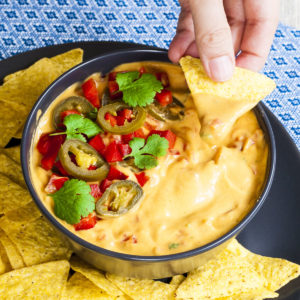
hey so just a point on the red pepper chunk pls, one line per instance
(164, 97)
(142, 178)
(163, 78)
(86, 223)
(44, 143)
(124, 149)
(60, 168)
(55, 183)
(113, 89)
(95, 191)
(97, 143)
(112, 153)
(114, 174)
(112, 76)
(125, 113)
(90, 92)
(167, 134)
(120, 120)
(67, 113)
(112, 119)
(105, 184)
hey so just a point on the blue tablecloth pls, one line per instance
(28, 24)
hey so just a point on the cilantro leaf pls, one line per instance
(145, 155)
(78, 125)
(138, 91)
(73, 201)
(173, 246)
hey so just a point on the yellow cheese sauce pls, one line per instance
(196, 194)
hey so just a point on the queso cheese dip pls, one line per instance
(197, 192)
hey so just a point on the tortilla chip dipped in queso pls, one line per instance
(142, 161)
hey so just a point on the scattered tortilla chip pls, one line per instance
(276, 271)
(14, 153)
(212, 99)
(38, 242)
(143, 289)
(95, 276)
(177, 280)
(12, 170)
(14, 257)
(9, 123)
(79, 287)
(4, 259)
(255, 295)
(224, 276)
(44, 281)
(12, 195)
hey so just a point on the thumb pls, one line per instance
(213, 38)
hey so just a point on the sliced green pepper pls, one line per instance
(118, 199)
(78, 103)
(89, 154)
(128, 127)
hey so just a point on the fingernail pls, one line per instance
(221, 68)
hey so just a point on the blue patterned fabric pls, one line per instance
(28, 24)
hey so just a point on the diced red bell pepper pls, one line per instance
(114, 174)
(139, 133)
(67, 113)
(112, 76)
(142, 178)
(113, 89)
(163, 78)
(90, 92)
(124, 149)
(44, 143)
(167, 134)
(142, 70)
(112, 119)
(49, 157)
(92, 167)
(60, 168)
(87, 222)
(112, 153)
(97, 143)
(126, 138)
(95, 191)
(120, 120)
(126, 113)
(55, 183)
(105, 184)
(164, 97)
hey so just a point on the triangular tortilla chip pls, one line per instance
(44, 281)
(95, 276)
(13, 153)
(220, 104)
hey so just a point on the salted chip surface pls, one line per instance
(227, 275)
(259, 294)
(13, 255)
(244, 85)
(11, 169)
(13, 153)
(79, 287)
(45, 281)
(95, 276)
(9, 123)
(12, 195)
(38, 242)
(143, 289)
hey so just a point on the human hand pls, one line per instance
(216, 31)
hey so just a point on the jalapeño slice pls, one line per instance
(78, 103)
(118, 199)
(89, 154)
(128, 127)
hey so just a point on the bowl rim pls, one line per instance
(259, 109)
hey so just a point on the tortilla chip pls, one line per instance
(12, 195)
(12, 116)
(44, 281)
(177, 280)
(14, 153)
(14, 257)
(255, 295)
(19, 133)
(224, 276)
(38, 242)
(79, 287)
(143, 289)
(212, 99)
(95, 276)
(276, 271)
(11, 169)
(4, 259)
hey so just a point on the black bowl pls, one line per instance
(120, 263)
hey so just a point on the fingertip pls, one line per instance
(250, 61)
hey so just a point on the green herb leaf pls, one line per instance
(173, 246)
(138, 91)
(78, 125)
(73, 201)
(145, 155)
